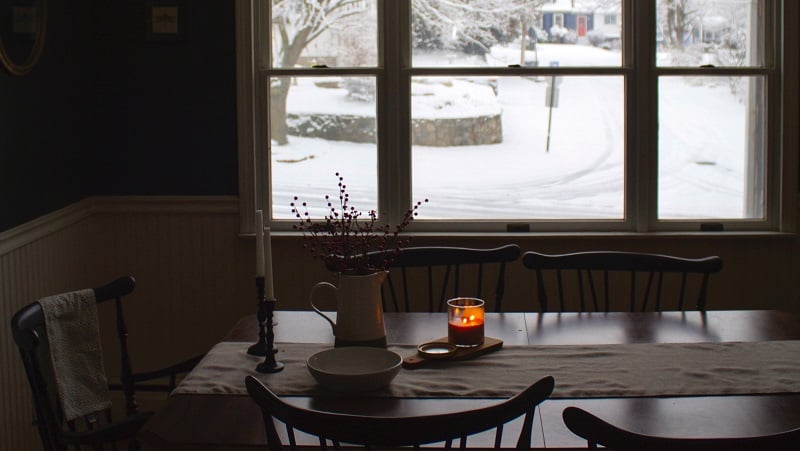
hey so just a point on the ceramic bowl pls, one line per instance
(354, 369)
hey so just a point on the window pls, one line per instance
(505, 126)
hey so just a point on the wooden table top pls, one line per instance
(199, 422)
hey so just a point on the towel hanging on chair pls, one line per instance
(73, 334)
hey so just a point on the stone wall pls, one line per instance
(445, 132)
(333, 127)
(470, 131)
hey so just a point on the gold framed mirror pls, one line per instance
(23, 27)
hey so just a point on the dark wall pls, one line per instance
(109, 112)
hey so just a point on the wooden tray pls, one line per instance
(489, 345)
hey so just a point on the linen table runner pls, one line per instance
(580, 371)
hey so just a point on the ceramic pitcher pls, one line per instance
(359, 312)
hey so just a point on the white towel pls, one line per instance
(74, 337)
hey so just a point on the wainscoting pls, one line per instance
(194, 275)
(160, 241)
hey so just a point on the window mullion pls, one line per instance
(641, 118)
(789, 28)
(394, 111)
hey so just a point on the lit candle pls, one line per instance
(465, 318)
(268, 286)
(259, 243)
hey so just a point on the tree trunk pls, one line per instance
(279, 92)
(672, 33)
(676, 22)
(680, 22)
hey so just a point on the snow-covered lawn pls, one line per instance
(580, 175)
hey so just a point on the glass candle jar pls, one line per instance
(465, 321)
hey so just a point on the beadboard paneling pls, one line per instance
(161, 242)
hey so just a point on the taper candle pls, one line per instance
(268, 284)
(259, 243)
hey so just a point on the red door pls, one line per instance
(582, 24)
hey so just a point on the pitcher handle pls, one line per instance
(311, 301)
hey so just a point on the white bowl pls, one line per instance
(354, 368)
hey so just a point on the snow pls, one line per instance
(702, 165)
(433, 99)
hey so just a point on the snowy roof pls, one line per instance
(565, 6)
(559, 6)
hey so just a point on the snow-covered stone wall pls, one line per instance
(438, 132)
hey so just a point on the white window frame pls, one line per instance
(394, 155)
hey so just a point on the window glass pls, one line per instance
(511, 147)
(722, 33)
(490, 144)
(328, 127)
(503, 32)
(710, 159)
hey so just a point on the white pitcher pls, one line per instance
(359, 311)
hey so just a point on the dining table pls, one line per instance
(692, 373)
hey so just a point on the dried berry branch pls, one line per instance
(349, 241)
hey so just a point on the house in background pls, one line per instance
(576, 21)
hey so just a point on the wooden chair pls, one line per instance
(387, 431)
(438, 273)
(643, 278)
(95, 430)
(598, 432)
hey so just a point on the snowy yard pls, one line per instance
(702, 141)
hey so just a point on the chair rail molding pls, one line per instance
(50, 223)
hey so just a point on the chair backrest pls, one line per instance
(598, 432)
(425, 277)
(28, 329)
(392, 431)
(613, 280)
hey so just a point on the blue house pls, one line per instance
(571, 20)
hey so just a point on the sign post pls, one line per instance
(551, 100)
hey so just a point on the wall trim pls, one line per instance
(52, 222)
(44, 225)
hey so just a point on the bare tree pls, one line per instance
(472, 24)
(295, 25)
(678, 18)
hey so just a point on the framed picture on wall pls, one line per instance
(164, 20)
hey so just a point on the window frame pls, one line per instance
(394, 70)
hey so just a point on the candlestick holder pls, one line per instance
(270, 364)
(260, 347)
(265, 346)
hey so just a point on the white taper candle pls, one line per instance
(268, 285)
(259, 243)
